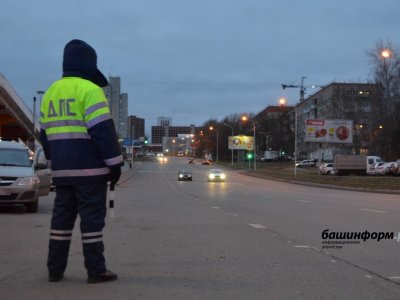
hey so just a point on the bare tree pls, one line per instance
(385, 63)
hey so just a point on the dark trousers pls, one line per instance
(90, 202)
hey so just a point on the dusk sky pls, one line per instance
(193, 60)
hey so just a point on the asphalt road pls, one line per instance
(247, 238)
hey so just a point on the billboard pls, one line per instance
(329, 131)
(241, 142)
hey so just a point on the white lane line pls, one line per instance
(257, 226)
(232, 214)
(304, 201)
(370, 277)
(373, 210)
(394, 277)
(301, 246)
(216, 207)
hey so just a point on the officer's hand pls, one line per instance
(115, 174)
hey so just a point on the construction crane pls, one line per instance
(301, 86)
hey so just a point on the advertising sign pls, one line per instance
(241, 142)
(329, 131)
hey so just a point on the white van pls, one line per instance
(22, 180)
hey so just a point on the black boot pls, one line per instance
(102, 277)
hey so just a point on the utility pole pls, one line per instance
(302, 92)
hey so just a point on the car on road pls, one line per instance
(162, 159)
(216, 175)
(205, 162)
(23, 179)
(185, 175)
(191, 161)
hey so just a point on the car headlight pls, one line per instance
(211, 176)
(222, 176)
(180, 175)
(32, 180)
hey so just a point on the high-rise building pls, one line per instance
(118, 105)
(135, 127)
(158, 132)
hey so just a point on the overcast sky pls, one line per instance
(193, 60)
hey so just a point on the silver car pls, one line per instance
(23, 179)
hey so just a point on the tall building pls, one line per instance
(158, 132)
(136, 127)
(118, 105)
(164, 121)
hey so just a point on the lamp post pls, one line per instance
(212, 128)
(33, 122)
(173, 148)
(232, 137)
(245, 119)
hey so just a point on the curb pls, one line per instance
(321, 185)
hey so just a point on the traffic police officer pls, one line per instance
(80, 143)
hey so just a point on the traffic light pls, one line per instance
(145, 140)
(250, 156)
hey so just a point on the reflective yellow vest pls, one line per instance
(77, 132)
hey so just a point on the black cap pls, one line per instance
(80, 60)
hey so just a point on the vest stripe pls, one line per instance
(95, 107)
(67, 135)
(114, 160)
(98, 120)
(82, 172)
(62, 123)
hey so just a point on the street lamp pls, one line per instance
(212, 128)
(245, 119)
(173, 148)
(282, 101)
(232, 137)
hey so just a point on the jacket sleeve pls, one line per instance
(101, 128)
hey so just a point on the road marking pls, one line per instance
(372, 210)
(394, 277)
(216, 207)
(332, 260)
(232, 214)
(370, 277)
(257, 226)
(304, 201)
(301, 246)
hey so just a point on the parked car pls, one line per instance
(306, 163)
(205, 162)
(23, 179)
(392, 168)
(380, 168)
(327, 169)
(216, 175)
(185, 175)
